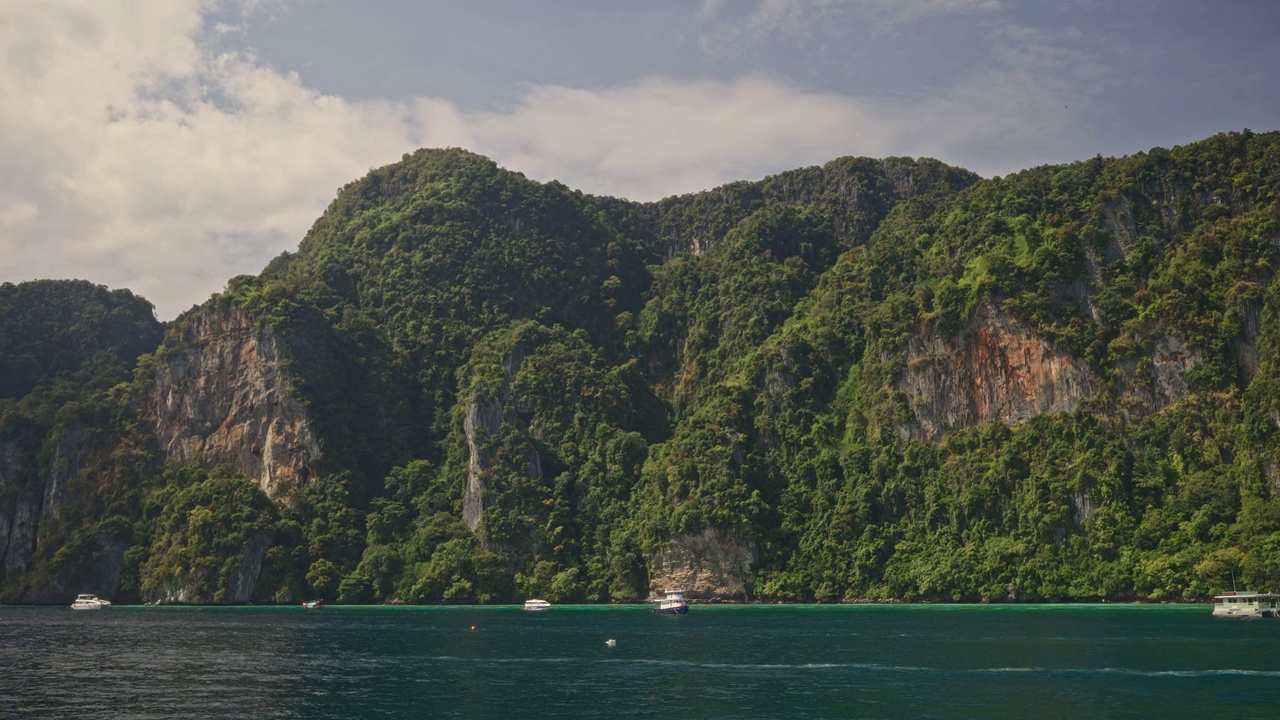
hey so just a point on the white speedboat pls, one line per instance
(672, 604)
(1247, 605)
(535, 604)
(89, 602)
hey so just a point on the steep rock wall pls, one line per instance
(222, 395)
(483, 418)
(27, 501)
(70, 455)
(998, 369)
(707, 565)
(19, 513)
(100, 573)
(198, 588)
(1156, 380)
(482, 421)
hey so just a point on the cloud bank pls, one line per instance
(141, 155)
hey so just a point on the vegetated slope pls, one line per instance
(873, 379)
(70, 465)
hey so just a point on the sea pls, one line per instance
(719, 661)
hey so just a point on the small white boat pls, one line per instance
(1247, 605)
(313, 604)
(89, 602)
(536, 604)
(672, 604)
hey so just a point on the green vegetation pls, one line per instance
(608, 376)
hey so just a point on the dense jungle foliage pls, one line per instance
(627, 374)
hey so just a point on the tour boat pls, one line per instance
(536, 604)
(89, 602)
(1247, 605)
(313, 604)
(672, 604)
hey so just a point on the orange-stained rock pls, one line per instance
(222, 394)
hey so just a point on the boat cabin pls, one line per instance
(1247, 605)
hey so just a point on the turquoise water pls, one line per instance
(718, 662)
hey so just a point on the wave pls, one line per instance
(872, 667)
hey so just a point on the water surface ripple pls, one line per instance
(718, 662)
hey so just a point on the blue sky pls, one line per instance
(167, 146)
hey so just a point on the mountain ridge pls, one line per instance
(874, 379)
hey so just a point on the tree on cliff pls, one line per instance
(870, 379)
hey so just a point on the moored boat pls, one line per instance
(1246, 605)
(536, 604)
(313, 604)
(85, 601)
(672, 603)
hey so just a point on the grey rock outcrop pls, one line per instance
(711, 564)
(1156, 380)
(19, 513)
(223, 394)
(199, 587)
(30, 499)
(483, 419)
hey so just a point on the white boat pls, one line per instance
(536, 604)
(89, 602)
(672, 603)
(1247, 605)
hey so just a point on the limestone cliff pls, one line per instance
(203, 587)
(485, 413)
(222, 394)
(998, 369)
(482, 420)
(19, 513)
(707, 565)
(32, 499)
(99, 571)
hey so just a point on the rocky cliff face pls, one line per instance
(998, 369)
(483, 418)
(222, 394)
(99, 573)
(30, 498)
(707, 565)
(199, 587)
(481, 421)
(19, 513)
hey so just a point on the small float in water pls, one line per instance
(1246, 605)
(672, 604)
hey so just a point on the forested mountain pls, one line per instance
(875, 379)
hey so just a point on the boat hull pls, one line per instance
(89, 602)
(678, 610)
(1243, 613)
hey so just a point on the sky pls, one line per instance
(166, 146)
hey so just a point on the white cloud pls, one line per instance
(139, 157)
